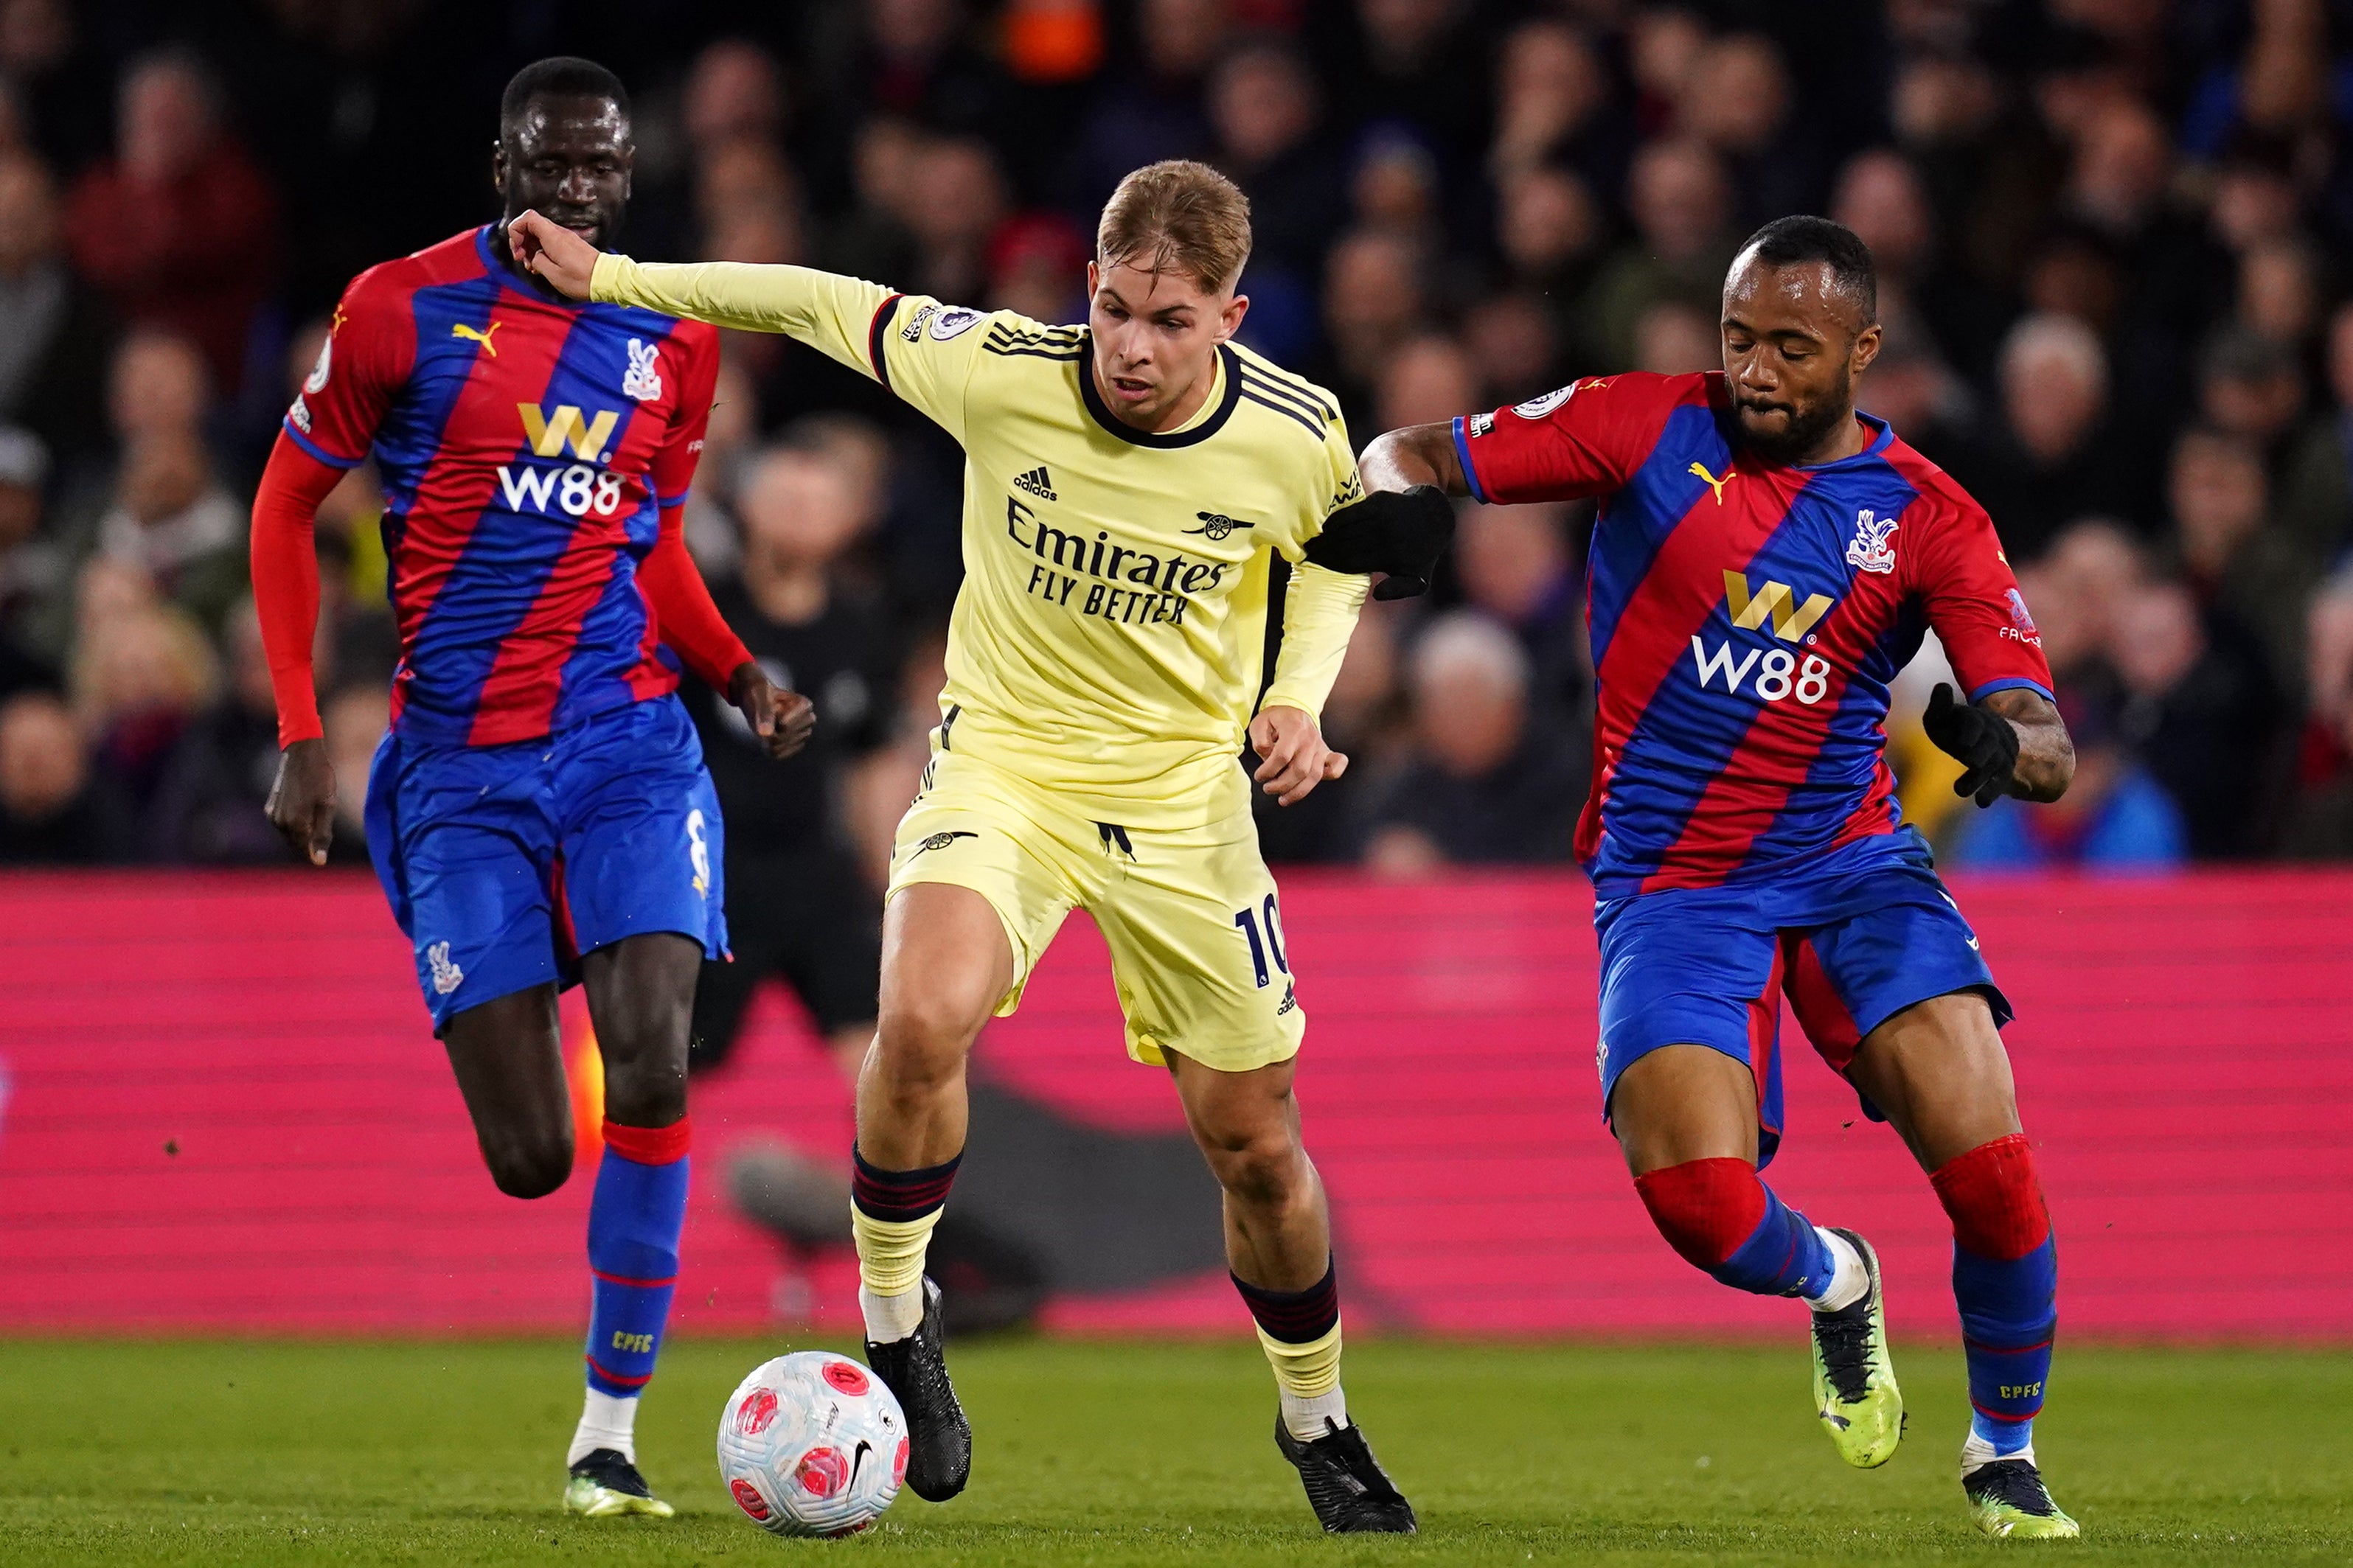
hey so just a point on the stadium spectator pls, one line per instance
(2203, 714)
(2320, 823)
(1555, 191)
(56, 336)
(208, 804)
(797, 906)
(2279, 291)
(1423, 62)
(32, 570)
(1372, 301)
(1550, 235)
(958, 199)
(1736, 100)
(355, 720)
(1481, 785)
(2313, 473)
(2056, 453)
(747, 205)
(171, 519)
(54, 810)
(1675, 337)
(180, 229)
(733, 94)
(1153, 109)
(1515, 346)
(2113, 820)
(1363, 719)
(1933, 312)
(2239, 569)
(1515, 565)
(1038, 266)
(1427, 380)
(1553, 94)
(1684, 237)
(1264, 108)
(141, 673)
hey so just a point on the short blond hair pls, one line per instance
(1184, 218)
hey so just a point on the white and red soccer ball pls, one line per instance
(812, 1443)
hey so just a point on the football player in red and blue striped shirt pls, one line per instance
(1765, 560)
(539, 814)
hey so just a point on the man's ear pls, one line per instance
(1095, 277)
(1866, 347)
(1229, 319)
(499, 167)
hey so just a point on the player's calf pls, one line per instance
(891, 1216)
(1722, 1218)
(634, 1221)
(2006, 1283)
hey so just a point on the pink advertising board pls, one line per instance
(223, 1111)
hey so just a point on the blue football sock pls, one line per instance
(634, 1222)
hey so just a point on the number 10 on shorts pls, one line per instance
(1260, 945)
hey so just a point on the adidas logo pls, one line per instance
(1037, 483)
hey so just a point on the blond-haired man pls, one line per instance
(1126, 485)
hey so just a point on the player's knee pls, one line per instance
(528, 1166)
(1704, 1208)
(1263, 1169)
(921, 1038)
(1994, 1199)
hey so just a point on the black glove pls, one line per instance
(1402, 532)
(1986, 743)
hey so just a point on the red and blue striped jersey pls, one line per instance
(529, 447)
(1747, 620)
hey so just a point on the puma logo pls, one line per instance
(459, 329)
(1713, 483)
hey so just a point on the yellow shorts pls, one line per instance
(1195, 937)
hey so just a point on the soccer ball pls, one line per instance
(812, 1443)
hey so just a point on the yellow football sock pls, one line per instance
(891, 1252)
(1306, 1371)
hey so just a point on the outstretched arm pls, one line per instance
(1416, 455)
(919, 349)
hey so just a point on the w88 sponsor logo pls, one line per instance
(575, 491)
(587, 486)
(1779, 673)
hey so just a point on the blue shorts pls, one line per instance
(504, 864)
(1851, 938)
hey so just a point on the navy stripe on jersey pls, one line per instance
(876, 330)
(1299, 405)
(1661, 493)
(1251, 393)
(1683, 738)
(1298, 387)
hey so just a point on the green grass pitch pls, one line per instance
(253, 1453)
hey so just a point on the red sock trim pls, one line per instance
(634, 1284)
(610, 1376)
(650, 1146)
(1706, 1209)
(1994, 1199)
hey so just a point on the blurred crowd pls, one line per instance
(2106, 232)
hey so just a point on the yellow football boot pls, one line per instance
(604, 1485)
(2008, 1501)
(1854, 1381)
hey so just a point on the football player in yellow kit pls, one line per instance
(1127, 483)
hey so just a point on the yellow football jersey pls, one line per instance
(1108, 639)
